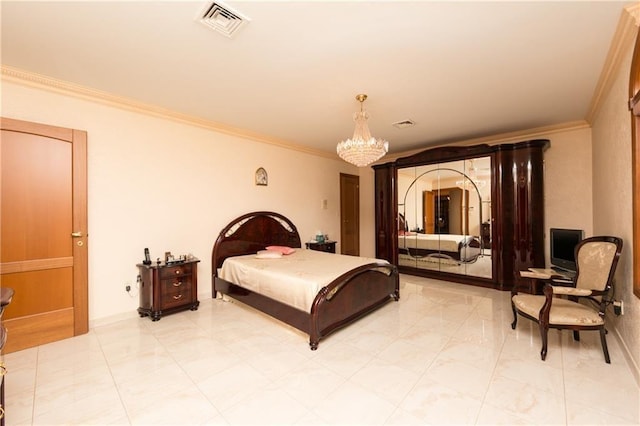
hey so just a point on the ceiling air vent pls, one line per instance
(404, 124)
(222, 18)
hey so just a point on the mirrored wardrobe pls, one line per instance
(468, 214)
(444, 216)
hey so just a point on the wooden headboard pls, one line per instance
(252, 232)
(402, 223)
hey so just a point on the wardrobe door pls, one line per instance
(521, 210)
(386, 213)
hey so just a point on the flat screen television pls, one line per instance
(563, 243)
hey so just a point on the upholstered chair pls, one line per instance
(581, 304)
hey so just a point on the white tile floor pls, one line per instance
(444, 354)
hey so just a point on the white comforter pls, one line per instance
(293, 279)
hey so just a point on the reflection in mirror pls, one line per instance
(444, 217)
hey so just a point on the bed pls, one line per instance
(460, 248)
(346, 296)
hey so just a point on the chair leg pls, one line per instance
(576, 335)
(603, 339)
(515, 316)
(543, 335)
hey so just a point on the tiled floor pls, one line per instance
(444, 354)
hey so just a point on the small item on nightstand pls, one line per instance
(319, 237)
(147, 258)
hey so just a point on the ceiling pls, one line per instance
(459, 70)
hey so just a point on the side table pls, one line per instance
(168, 288)
(328, 246)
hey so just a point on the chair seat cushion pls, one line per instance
(563, 312)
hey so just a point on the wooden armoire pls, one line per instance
(516, 209)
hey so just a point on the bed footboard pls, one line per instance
(352, 296)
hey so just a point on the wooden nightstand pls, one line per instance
(168, 288)
(328, 246)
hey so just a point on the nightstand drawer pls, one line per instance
(170, 286)
(175, 271)
(175, 298)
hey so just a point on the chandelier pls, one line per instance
(468, 183)
(362, 149)
(471, 179)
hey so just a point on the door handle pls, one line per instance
(76, 234)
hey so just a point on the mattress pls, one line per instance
(294, 279)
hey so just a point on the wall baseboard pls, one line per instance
(633, 366)
(112, 319)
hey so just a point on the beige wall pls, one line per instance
(170, 186)
(612, 196)
(567, 186)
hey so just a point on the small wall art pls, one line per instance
(262, 178)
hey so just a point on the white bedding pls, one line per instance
(294, 279)
(440, 242)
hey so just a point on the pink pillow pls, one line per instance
(282, 249)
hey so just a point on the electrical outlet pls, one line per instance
(618, 307)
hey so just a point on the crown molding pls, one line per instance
(634, 11)
(622, 40)
(27, 78)
(518, 136)
(50, 84)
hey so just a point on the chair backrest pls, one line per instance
(596, 260)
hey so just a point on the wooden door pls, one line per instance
(349, 214)
(458, 210)
(44, 232)
(428, 212)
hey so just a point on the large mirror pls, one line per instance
(444, 217)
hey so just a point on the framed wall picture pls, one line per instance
(261, 177)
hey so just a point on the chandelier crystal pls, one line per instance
(468, 183)
(362, 149)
